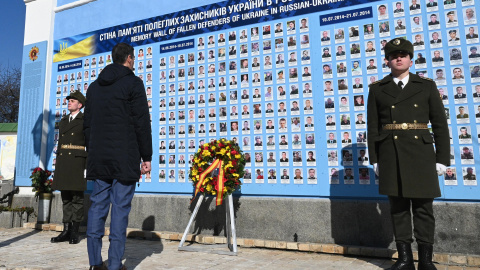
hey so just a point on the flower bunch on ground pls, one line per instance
(40, 181)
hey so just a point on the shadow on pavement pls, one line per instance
(18, 238)
(133, 255)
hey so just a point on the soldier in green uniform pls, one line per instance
(69, 169)
(402, 153)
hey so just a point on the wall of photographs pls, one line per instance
(291, 92)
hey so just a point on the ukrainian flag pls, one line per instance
(74, 47)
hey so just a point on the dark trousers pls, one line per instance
(119, 194)
(402, 209)
(72, 205)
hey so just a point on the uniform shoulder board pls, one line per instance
(375, 82)
(426, 78)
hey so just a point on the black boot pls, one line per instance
(425, 254)
(405, 257)
(64, 235)
(74, 237)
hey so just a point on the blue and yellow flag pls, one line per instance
(74, 47)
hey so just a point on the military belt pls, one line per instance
(71, 146)
(405, 126)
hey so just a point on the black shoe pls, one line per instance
(74, 237)
(425, 254)
(405, 258)
(98, 267)
(64, 235)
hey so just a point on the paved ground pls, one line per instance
(31, 249)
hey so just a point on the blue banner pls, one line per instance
(175, 46)
(70, 65)
(346, 16)
(185, 23)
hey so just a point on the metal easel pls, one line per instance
(229, 228)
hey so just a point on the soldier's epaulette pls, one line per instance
(375, 82)
(426, 78)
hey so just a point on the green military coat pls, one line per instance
(70, 165)
(407, 158)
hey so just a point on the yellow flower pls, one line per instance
(224, 189)
(213, 147)
(197, 176)
(228, 141)
(236, 175)
(196, 159)
(209, 187)
(238, 156)
(228, 166)
(199, 149)
(205, 144)
(194, 172)
(223, 151)
(228, 154)
(206, 153)
(214, 192)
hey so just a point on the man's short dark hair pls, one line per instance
(120, 53)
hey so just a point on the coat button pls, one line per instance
(394, 122)
(415, 121)
(72, 133)
(416, 137)
(393, 106)
(395, 137)
(61, 154)
(69, 153)
(415, 105)
(62, 135)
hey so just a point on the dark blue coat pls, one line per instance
(117, 128)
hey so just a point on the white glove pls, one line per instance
(375, 168)
(441, 168)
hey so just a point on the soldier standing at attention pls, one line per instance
(69, 173)
(402, 151)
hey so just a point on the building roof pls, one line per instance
(8, 127)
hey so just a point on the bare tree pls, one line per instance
(9, 94)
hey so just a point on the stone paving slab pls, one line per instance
(28, 249)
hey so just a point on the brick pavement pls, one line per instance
(30, 249)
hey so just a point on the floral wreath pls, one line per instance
(228, 158)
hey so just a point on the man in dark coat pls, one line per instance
(70, 168)
(118, 138)
(402, 152)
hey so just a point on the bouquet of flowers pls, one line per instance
(223, 155)
(40, 181)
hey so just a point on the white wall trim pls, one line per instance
(71, 5)
(46, 100)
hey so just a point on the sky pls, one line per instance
(12, 20)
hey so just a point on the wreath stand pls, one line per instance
(230, 230)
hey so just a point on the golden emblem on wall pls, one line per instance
(33, 54)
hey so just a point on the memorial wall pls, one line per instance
(288, 81)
